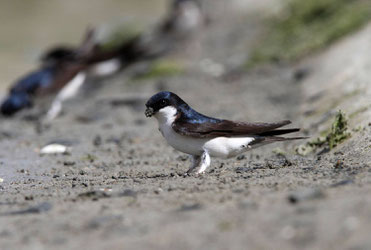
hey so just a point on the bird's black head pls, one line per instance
(58, 54)
(161, 100)
(15, 102)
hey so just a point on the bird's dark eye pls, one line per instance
(163, 102)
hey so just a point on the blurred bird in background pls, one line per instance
(183, 20)
(63, 70)
(58, 68)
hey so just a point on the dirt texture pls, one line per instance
(122, 187)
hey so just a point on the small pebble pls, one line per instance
(97, 141)
(182, 157)
(300, 74)
(241, 157)
(55, 149)
(69, 163)
(306, 194)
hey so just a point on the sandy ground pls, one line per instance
(122, 187)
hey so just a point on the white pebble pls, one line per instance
(55, 149)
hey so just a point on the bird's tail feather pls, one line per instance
(278, 138)
(279, 132)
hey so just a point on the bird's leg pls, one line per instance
(205, 162)
(196, 159)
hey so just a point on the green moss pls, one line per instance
(278, 152)
(339, 130)
(306, 26)
(119, 36)
(89, 158)
(162, 68)
(336, 135)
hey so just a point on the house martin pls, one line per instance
(204, 137)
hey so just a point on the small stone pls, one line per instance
(158, 191)
(97, 141)
(95, 194)
(338, 164)
(306, 194)
(69, 163)
(182, 157)
(28, 198)
(301, 73)
(241, 157)
(82, 172)
(55, 149)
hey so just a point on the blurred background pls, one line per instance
(28, 28)
(120, 184)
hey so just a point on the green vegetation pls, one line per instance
(119, 36)
(278, 152)
(162, 68)
(308, 25)
(339, 130)
(89, 158)
(337, 134)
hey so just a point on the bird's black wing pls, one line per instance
(228, 128)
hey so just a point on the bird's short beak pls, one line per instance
(149, 112)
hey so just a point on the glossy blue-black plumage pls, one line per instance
(190, 115)
(15, 102)
(33, 81)
(185, 112)
(189, 122)
(20, 95)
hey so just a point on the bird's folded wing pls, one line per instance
(62, 77)
(228, 128)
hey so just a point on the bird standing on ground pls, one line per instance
(203, 137)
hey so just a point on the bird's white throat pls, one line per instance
(166, 115)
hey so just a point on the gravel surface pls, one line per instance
(121, 185)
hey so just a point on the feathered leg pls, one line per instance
(205, 162)
(196, 160)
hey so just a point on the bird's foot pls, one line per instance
(205, 162)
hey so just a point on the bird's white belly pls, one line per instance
(106, 68)
(188, 145)
(223, 147)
